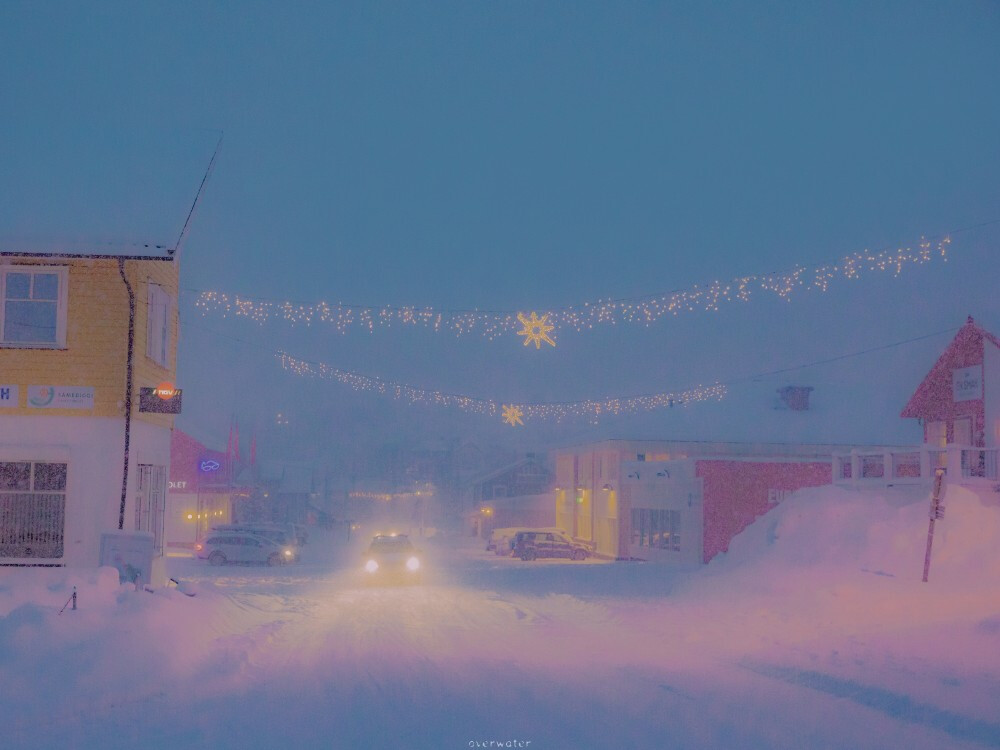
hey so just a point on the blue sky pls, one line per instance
(517, 156)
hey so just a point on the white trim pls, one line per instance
(62, 305)
(158, 314)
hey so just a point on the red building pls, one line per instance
(959, 400)
(199, 491)
(958, 404)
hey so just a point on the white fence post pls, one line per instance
(955, 463)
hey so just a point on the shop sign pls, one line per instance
(9, 397)
(209, 465)
(60, 397)
(967, 383)
(164, 399)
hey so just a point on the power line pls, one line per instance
(197, 195)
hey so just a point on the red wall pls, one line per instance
(736, 492)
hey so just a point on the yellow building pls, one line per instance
(83, 448)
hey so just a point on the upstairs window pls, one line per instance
(158, 325)
(33, 306)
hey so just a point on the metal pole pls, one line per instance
(937, 511)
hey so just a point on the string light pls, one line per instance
(512, 415)
(557, 411)
(536, 330)
(636, 310)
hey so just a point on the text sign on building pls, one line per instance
(967, 383)
(9, 397)
(60, 397)
(151, 400)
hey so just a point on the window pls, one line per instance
(658, 529)
(33, 306)
(32, 509)
(157, 324)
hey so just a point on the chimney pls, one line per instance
(795, 397)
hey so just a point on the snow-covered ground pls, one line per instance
(814, 631)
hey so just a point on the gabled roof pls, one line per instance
(933, 397)
(494, 473)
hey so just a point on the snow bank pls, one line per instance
(880, 532)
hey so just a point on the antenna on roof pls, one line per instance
(201, 187)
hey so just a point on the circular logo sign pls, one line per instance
(166, 390)
(43, 397)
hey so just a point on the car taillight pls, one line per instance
(198, 548)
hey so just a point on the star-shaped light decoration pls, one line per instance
(512, 415)
(536, 329)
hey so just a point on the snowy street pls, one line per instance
(558, 654)
(689, 308)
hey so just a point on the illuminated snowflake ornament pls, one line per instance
(512, 415)
(536, 329)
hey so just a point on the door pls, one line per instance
(963, 432)
(149, 504)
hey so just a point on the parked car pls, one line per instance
(501, 540)
(529, 545)
(220, 548)
(283, 534)
(392, 558)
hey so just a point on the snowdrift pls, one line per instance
(874, 531)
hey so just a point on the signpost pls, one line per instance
(937, 511)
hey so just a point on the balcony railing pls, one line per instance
(887, 467)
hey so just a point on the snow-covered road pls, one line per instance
(558, 655)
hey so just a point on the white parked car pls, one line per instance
(221, 547)
(283, 534)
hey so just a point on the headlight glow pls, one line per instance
(413, 563)
(371, 566)
(288, 553)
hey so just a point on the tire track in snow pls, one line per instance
(895, 705)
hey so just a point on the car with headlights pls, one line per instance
(392, 558)
(220, 548)
(532, 545)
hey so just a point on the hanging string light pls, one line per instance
(512, 414)
(637, 310)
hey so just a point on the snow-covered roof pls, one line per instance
(140, 252)
(504, 469)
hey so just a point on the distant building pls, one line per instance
(958, 405)
(65, 321)
(676, 500)
(200, 491)
(514, 495)
(958, 402)
(278, 492)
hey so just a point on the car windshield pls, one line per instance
(390, 544)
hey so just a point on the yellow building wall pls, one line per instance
(147, 373)
(97, 338)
